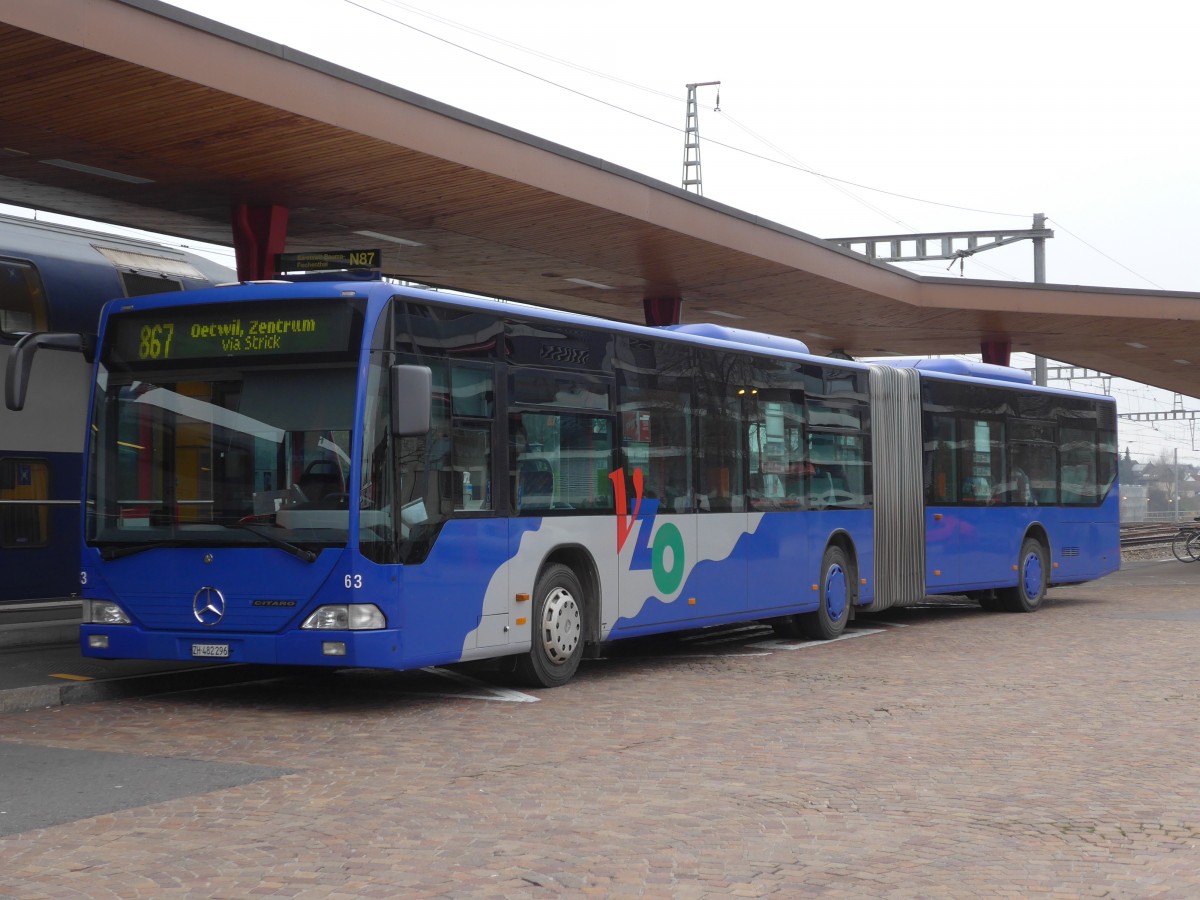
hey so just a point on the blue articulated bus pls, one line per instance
(57, 278)
(365, 475)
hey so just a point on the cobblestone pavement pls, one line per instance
(944, 752)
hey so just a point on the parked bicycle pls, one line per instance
(1186, 544)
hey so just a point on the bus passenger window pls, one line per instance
(982, 460)
(560, 461)
(776, 454)
(656, 438)
(472, 467)
(941, 466)
(1031, 479)
(720, 487)
(1078, 458)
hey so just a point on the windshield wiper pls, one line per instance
(306, 555)
(111, 552)
(116, 552)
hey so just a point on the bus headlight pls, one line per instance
(104, 612)
(346, 617)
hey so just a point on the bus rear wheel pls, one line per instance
(1033, 578)
(557, 630)
(836, 596)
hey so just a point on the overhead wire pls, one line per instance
(1059, 224)
(793, 164)
(789, 161)
(532, 51)
(839, 184)
(790, 165)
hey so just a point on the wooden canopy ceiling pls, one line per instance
(136, 113)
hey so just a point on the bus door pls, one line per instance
(943, 517)
(963, 538)
(778, 488)
(656, 505)
(656, 551)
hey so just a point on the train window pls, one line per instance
(22, 298)
(138, 283)
(24, 522)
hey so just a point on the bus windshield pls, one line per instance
(246, 450)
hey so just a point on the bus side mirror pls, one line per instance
(412, 399)
(20, 361)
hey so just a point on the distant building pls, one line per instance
(1134, 502)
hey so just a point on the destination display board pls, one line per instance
(233, 330)
(328, 261)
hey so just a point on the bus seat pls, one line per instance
(535, 485)
(820, 488)
(320, 479)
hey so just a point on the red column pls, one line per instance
(661, 310)
(996, 352)
(259, 232)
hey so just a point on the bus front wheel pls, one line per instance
(557, 639)
(1033, 577)
(836, 596)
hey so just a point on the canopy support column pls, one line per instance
(662, 310)
(996, 352)
(259, 233)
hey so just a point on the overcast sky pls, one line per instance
(989, 112)
(838, 118)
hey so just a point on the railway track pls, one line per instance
(1144, 534)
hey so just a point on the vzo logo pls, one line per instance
(665, 558)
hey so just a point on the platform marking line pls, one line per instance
(486, 691)
(72, 677)
(804, 645)
(726, 636)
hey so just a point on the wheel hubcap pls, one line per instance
(1033, 575)
(562, 625)
(835, 592)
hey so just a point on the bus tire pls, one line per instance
(1033, 578)
(835, 597)
(557, 632)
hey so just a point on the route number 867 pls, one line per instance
(155, 341)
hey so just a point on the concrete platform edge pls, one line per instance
(46, 695)
(39, 634)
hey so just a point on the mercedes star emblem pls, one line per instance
(208, 606)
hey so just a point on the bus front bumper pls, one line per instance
(358, 649)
